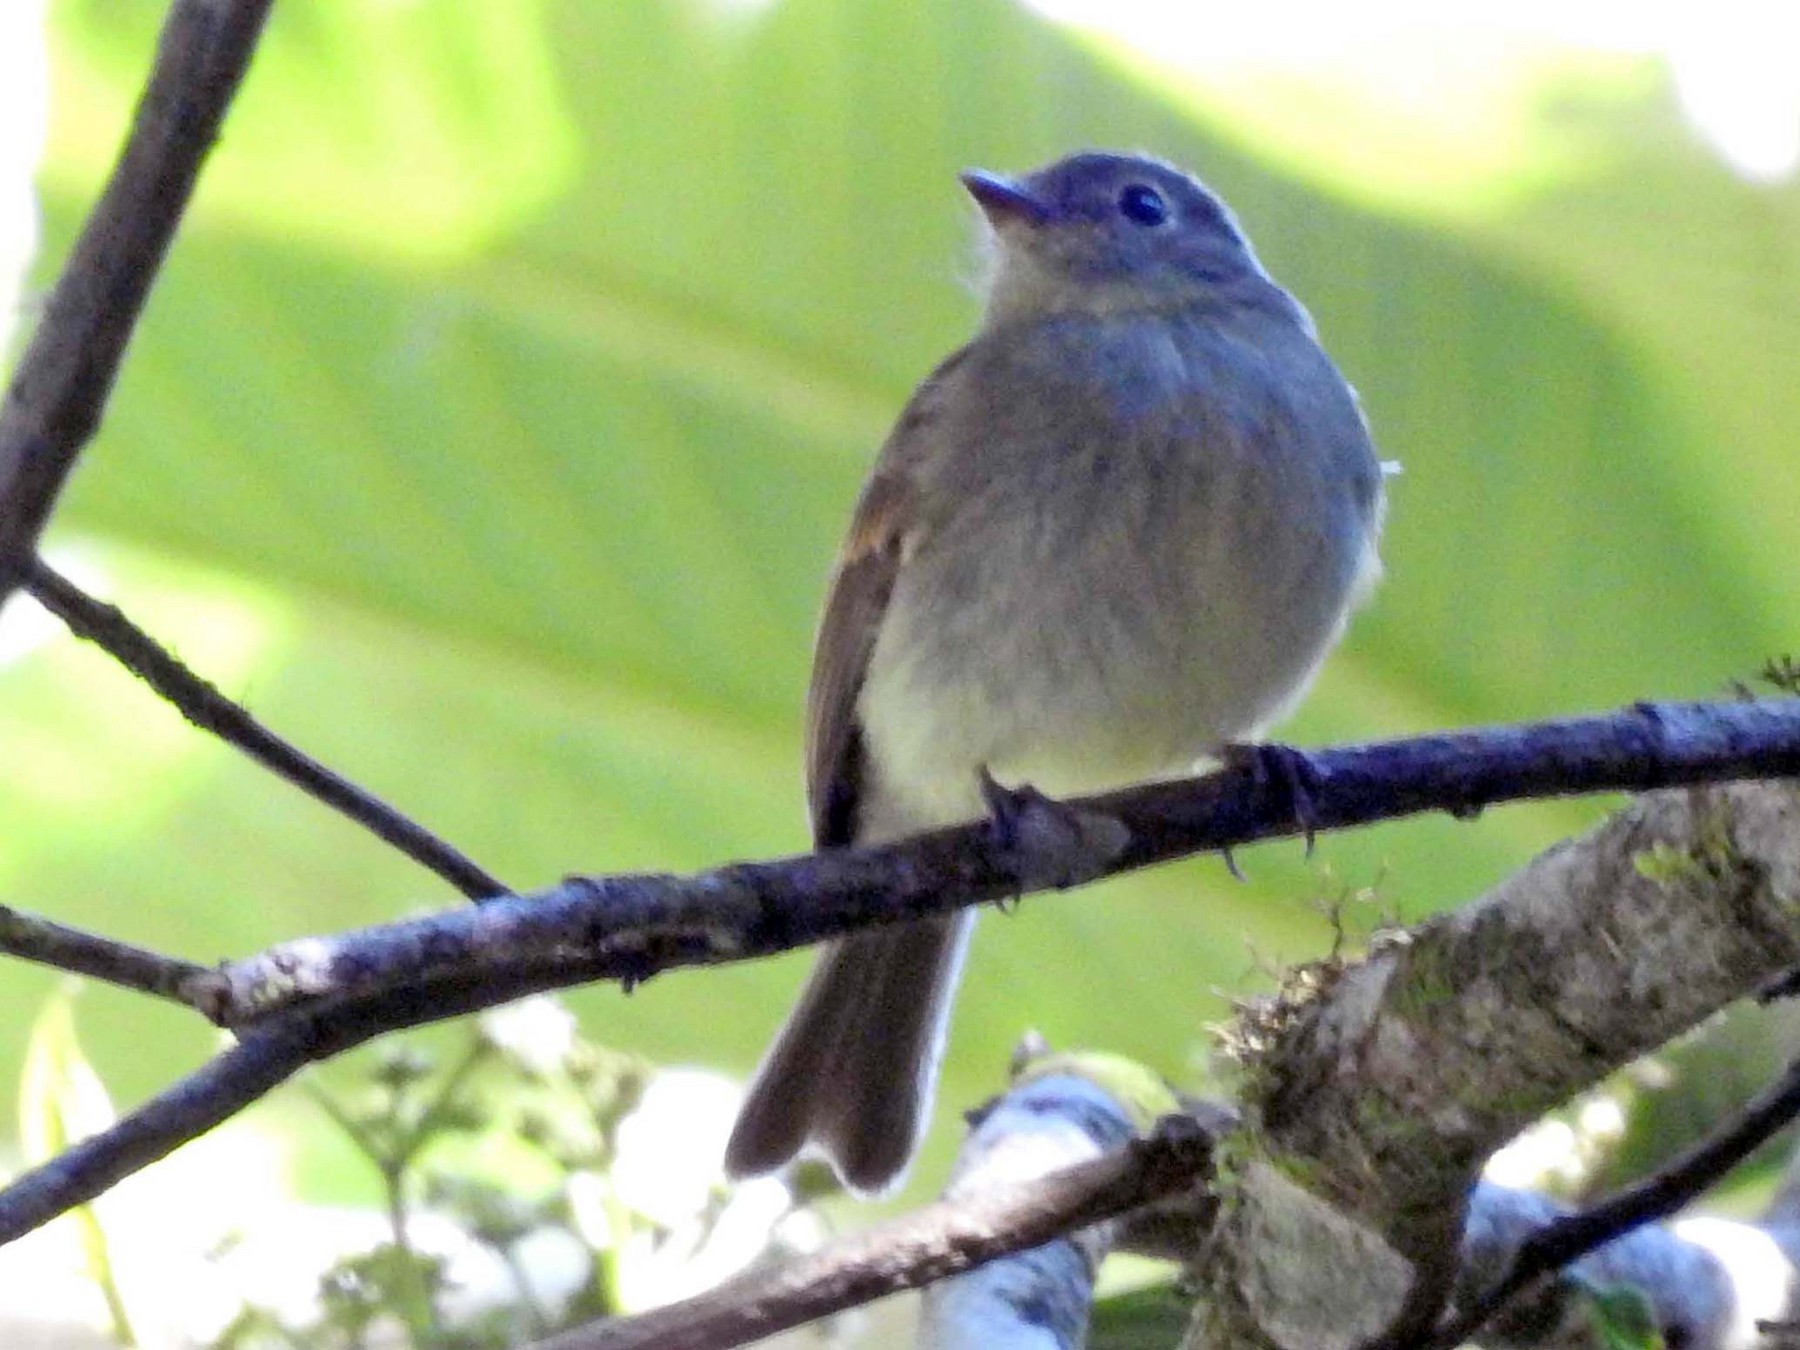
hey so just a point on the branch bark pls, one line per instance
(81, 953)
(1705, 1282)
(1039, 1297)
(1546, 1250)
(1369, 1114)
(264, 1057)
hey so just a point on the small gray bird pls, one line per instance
(1115, 533)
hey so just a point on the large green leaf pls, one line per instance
(493, 425)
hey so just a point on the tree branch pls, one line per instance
(1386, 1094)
(62, 381)
(263, 1058)
(1063, 1110)
(207, 1097)
(60, 387)
(205, 707)
(632, 927)
(1345, 1093)
(1706, 1282)
(53, 944)
(1019, 1288)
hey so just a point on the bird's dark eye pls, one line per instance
(1143, 205)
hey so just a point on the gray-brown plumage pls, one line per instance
(1117, 531)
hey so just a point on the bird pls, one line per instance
(1113, 535)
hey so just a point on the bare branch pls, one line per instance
(1041, 1286)
(630, 928)
(1065, 1109)
(1705, 1281)
(212, 1094)
(53, 944)
(208, 709)
(264, 1058)
(63, 379)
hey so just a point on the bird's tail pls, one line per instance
(851, 1075)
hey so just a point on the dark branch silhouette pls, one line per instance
(302, 1002)
(204, 706)
(262, 1059)
(348, 988)
(60, 386)
(59, 390)
(1506, 1228)
(81, 953)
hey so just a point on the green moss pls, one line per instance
(1425, 982)
(1712, 856)
(1667, 865)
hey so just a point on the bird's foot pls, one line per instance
(1290, 772)
(1049, 844)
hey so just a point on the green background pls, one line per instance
(492, 428)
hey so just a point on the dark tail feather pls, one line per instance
(853, 1071)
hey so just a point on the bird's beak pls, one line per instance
(1001, 200)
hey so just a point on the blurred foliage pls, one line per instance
(506, 1264)
(495, 419)
(1623, 1319)
(1153, 1317)
(62, 1100)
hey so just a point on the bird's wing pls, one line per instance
(866, 571)
(889, 523)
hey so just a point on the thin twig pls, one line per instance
(208, 709)
(62, 381)
(939, 1240)
(1566, 1240)
(53, 944)
(629, 928)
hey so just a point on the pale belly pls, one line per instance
(1086, 663)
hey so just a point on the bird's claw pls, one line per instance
(1050, 843)
(1007, 808)
(1287, 769)
(1231, 865)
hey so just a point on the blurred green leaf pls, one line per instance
(61, 1098)
(493, 425)
(1623, 1318)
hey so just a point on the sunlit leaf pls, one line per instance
(62, 1101)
